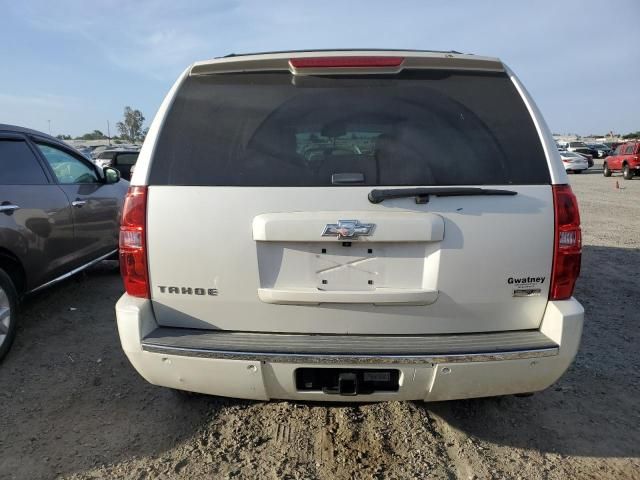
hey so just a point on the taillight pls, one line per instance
(133, 248)
(346, 62)
(567, 251)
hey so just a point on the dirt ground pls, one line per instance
(72, 406)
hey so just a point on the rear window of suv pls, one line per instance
(411, 129)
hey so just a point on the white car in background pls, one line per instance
(574, 162)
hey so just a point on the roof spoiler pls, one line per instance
(347, 63)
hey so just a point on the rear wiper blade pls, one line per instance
(422, 194)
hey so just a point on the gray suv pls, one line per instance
(59, 213)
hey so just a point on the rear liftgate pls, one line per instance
(320, 203)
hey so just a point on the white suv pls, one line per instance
(350, 225)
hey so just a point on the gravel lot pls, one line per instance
(71, 405)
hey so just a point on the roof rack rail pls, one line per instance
(231, 55)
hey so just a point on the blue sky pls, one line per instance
(78, 63)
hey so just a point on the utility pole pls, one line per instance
(49, 122)
(109, 132)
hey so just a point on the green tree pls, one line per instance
(63, 137)
(95, 135)
(131, 127)
(632, 135)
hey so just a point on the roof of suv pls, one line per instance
(410, 59)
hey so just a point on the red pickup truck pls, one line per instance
(625, 159)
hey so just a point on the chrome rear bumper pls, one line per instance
(349, 349)
(431, 367)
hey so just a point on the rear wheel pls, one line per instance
(605, 170)
(8, 313)
(627, 173)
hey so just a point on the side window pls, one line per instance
(18, 164)
(126, 159)
(67, 168)
(628, 150)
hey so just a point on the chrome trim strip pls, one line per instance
(276, 357)
(71, 273)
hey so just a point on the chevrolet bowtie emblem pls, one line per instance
(348, 229)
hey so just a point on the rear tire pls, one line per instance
(627, 173)
(605, 170)
(8, 313)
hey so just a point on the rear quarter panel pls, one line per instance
(634, 158)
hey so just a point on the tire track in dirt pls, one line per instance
(285, 440)
(466, 462)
